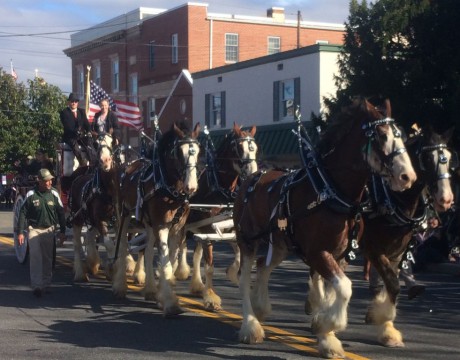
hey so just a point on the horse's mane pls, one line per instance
(341, 123)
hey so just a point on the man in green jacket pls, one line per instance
(41, 211)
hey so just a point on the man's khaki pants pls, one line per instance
(41, 244)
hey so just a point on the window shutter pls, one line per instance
(222, 109)
(207, 109)
(276, 101)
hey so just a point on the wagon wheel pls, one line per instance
(21, 250)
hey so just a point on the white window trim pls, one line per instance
(268, 45)
(237, 46)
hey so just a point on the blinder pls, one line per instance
(442, 158)
(179, 143)
(372, 134)
(237, 141)
(181, 168)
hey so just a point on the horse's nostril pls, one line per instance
(405, 177)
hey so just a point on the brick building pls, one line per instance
(147, 55)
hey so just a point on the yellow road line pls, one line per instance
(272, 333)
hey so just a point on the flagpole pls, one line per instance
(88, 68)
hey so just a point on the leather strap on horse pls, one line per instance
(384, 205)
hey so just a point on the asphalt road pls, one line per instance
(84, 321)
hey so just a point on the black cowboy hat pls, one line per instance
(73, 97)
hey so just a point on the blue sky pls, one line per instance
(33, 34)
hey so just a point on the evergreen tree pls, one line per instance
(404, 50)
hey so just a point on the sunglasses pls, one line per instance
(74, 101)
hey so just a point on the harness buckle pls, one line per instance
(282, 224)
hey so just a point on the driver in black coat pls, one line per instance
(75, 125)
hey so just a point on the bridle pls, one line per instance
(442, 160)
(236, 144)
(371, 133)
(186, 165)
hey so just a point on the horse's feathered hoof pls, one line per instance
(213, 307)
(173, 311)
(393, 343)
(330, 347)
(251, 332)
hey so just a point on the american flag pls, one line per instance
(128, 113)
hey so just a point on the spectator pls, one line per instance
(414, 287)
(42, 211)
(28, 168)
(106, 122)
(45, 161)
(35, 164)
(431, 246)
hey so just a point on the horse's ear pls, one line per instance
(196, 130)
(178, 131)
(236, 129)
(253, 131)
(447, 135)
(387, 108)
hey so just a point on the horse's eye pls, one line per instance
(383, 137)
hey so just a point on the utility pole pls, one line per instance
(298, 28)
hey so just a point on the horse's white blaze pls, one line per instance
(105, 159)
(249, 153)
(444, 197)
(401, 175)
(190, 154)
(105, 152)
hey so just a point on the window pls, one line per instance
(152, 55)
(286, 97)
(97, 73)
(133, 88)
(231, 47)
(174, 49)
(80, 81)
(115, 75)
(215, 110)
(274, 45)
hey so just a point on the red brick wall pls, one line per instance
(192, 27)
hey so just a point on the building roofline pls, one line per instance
(261, 20)
(135, 17)
(183, 74)
(311, 49)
